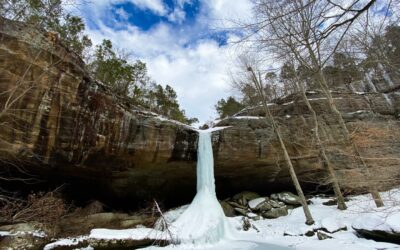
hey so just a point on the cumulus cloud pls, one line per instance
(156, 6)
(122, 13)
(224, 13)
(181, 55)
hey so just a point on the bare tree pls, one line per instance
(294, 28)
(291, 75)
(255, 77)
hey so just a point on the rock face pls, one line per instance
(248, 155)
(65, 127)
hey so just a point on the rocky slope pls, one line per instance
(69, 128)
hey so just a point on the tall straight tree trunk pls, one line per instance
(324, 86)
(321, 80)
(325, 161)
(268, 115)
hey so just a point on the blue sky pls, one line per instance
(183, 42)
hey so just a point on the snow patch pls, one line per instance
(381, 222)
(332, 224)
(125, 234)
(4, 233)
(248, 117)
(65, 242)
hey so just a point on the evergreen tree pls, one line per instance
(125, 78)
(228, 107)
(50, 16)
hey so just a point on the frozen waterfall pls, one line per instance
(204, 220)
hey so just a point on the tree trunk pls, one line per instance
(325, 161)
(268, 115)
(324, 86)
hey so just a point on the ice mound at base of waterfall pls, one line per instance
(202, 222)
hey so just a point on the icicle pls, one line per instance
(388, 100)
(370, 83)
(386, 75)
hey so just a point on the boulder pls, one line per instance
(379, 227)
(229, 211)
(75, 225)
(265, 206)
(241, 211)
(323, 236)
(275, 213)
(112, 239)
(379, 235)
(276, 204)
(255, 203)
(25, 236)
(253, 216)
(330, 202)
(234, 204)
(243, 197)
(289, 198)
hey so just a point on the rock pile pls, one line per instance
(254, 206)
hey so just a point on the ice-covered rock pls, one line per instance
(253, 204)
(380, 227)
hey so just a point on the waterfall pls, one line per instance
(204, 220)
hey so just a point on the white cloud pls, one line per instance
(196, 69)
(122, 13)
(198, 73)
(178, 15)
(225, 13)
(156, 6)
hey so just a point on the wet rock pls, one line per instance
(379, 235)
(26, 236)
(241, 211)
(276, 204)
(323, 236)
(309, 233)
(333, 202)
(289, 198)
(243, 197)
(275, 213)
(265, 206)
(234, 204)
(253, 216)
(80, 225)
(255, 203)
(93, 243)
(274, 197)
(330, 203)
(229, 211)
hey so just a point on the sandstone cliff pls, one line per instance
(69, 128)
(248, 151)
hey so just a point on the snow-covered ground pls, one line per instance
(270, 233)
(361, 213)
